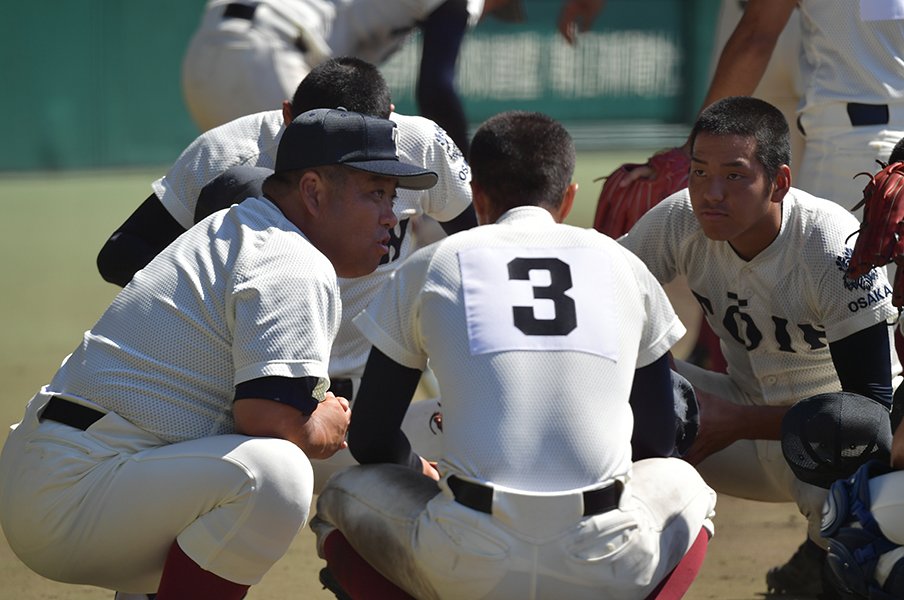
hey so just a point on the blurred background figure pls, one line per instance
(247, 57)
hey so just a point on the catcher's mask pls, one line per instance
(828, 436)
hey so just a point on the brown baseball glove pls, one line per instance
(881, 236)
(619, 207)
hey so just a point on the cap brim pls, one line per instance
(411, 177)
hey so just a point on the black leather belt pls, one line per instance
(480, 497)
(237, 10)
(342, 387)
(70, 413)
(867, 114)
(861, 115)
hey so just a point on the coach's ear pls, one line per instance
(311, 191)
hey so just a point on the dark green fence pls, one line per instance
(95, 83)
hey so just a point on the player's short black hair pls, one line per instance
(351, 83)
(522, 158)
(897, 154)
(749, 117)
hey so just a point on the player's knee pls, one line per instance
(283, 480)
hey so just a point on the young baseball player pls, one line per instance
(550, 344)
(767, 264)
(171, 451)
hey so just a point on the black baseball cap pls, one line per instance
(327, 136)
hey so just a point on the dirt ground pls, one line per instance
(750, 538)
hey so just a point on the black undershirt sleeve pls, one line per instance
(465, 220)
(375, 434)
(137, 241)
(653, 404)
(294, 391)
(863, 363)
(437, 98)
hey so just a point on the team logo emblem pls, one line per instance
(864, 282)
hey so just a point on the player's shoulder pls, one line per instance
(249, 130)
(266, 234)
(673, 215)
(818, 217)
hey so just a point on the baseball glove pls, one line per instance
(881, 235)
(618, 208)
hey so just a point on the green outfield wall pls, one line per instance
(95, 83)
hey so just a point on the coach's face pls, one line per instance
(357, 219)
(733, 198)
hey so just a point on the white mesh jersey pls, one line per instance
(242, 295)
(253, 141)
(853, 51)
(534, 331)
(775, 314)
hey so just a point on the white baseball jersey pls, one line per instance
(539, 324)
(169, 351)
(775, 314)
(253, 141)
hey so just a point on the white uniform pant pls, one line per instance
(103, 506)
(533, 546)
(836, 151)
(754, 469)
(236, 67)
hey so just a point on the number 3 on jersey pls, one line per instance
(538, 299)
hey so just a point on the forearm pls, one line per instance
(759, 422)
(260, 417)
(320, 434)
(653, 405)
(747, 52)
(375, 434)
(863, 363)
